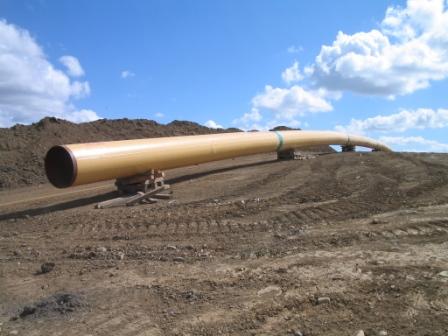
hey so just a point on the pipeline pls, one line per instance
(76, 164)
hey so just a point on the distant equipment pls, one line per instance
(137, 165)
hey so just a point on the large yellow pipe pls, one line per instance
(76, 164)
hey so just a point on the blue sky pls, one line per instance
(377, 68)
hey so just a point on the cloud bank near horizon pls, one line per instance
(31, 87)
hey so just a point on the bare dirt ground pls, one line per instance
(327, 246)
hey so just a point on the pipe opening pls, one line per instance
(60, 167)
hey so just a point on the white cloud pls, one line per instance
(127, 74)
(212, 124)
(294, 49)
(249, 120)
(159, 115)
(81, 116)
(418, 143)
(288, 103)
(404, 55)
(282, 106)
(252, 116)
(30, 86)
(292, 74)
(399, 122)
(73, 66)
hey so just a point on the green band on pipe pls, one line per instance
(280, 140)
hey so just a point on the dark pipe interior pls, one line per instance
(60, 167)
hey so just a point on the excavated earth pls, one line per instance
(330, 245)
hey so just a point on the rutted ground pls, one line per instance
(326, 246)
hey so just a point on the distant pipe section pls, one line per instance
(76, 164)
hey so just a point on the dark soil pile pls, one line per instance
(23, 148)
(60, 303)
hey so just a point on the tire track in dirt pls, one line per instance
(427, 228)
(189, 219)
(300, 217)
(295, 218)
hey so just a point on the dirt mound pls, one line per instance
(22, 148)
